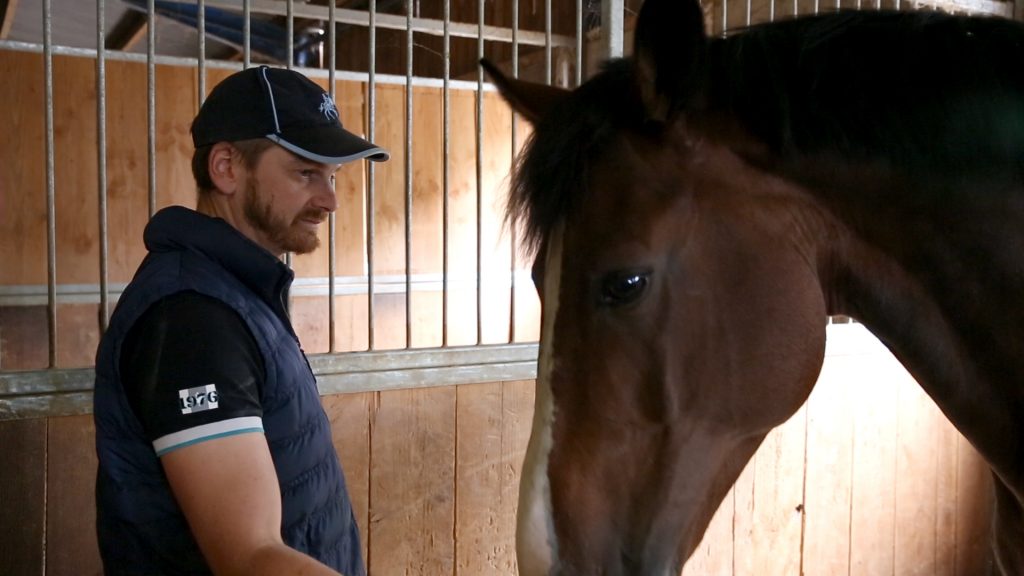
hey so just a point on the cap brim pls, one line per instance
(329, 145)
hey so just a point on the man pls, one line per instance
(215, 455)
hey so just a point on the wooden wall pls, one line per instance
(23, 207)
(867, 478)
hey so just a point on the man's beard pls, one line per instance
(283, 234)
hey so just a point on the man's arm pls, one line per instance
(228, 490)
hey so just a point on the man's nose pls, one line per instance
(326, 198)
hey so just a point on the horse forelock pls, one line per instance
(551, 174)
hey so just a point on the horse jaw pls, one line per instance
(536, 544)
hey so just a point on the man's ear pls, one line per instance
(224, 168)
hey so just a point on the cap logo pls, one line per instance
(328, 109)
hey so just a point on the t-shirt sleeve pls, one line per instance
(192, 372)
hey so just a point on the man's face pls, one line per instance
(286, 200)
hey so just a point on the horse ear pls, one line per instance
(670, 49)
(530, 100)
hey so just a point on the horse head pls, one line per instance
(682, 317)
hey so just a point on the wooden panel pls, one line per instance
(771, 542)
(71, 546)
(350, 431)
(743, 520)
(872, 519)
(78, 334)
(946, 447)
(24, 344)
(829, 471)
(74, 132)
(177, 103)
(389, 193)
(412, 490)
(428, 181)
(974, 512)
(127, 167)
(916, 478)
(493, 429)
(22, 496)
(22, 181)
(714, 556)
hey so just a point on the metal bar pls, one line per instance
(513, 243)
(579, 42)
(479, 175)
(398, 22)
(36, 294)
(445, 174)
(371, 125)
(201, 66)
(408, 173)
(247, 34)
(611, 27)
(151, 102)
(101, 159)
(547, 42)
(226, 65)
(290, 50)
(332, 224)
(725, 17)
(51, 205)
(63, 392)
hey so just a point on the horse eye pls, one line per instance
(620, 288)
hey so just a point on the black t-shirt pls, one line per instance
(192, 372)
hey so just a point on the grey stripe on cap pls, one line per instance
(270, 90)
(329, 159)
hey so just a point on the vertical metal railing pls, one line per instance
(445, 167)
(201, 54)
(479, 174)
(289, 64)
(51, 203)
(371, 91)
(247, 34)
(151, 104)
(408, 170)
(513, 244)
(332, 220)
(547, 41)
(101, 158)
(413, 25)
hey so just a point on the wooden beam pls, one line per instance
(128, 31)
(7, 11)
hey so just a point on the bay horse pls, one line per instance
(698, 209)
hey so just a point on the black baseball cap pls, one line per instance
(284, 106)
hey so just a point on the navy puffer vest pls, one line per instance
(141, 530)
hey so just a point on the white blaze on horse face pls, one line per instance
(536, 547)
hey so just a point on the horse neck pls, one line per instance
(935, 273)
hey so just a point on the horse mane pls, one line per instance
(935, 96)
(920, 92)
